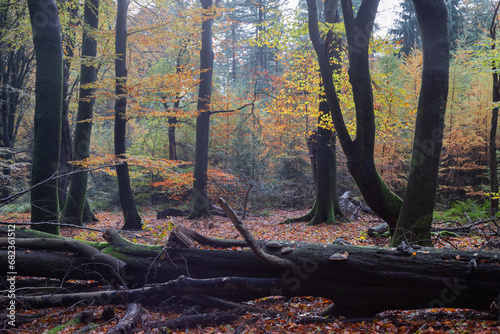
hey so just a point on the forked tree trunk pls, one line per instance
(130, 214)
(359, 152)
(49, 79)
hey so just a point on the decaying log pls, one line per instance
(171, 213)
(128, 322)
(113, 265)
(184, 237)
(361, 281)
(155, 294)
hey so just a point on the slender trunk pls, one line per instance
(493, 163)
(415, 219)
(47, 126)
(172, 144)
(65, 156)
(201, 205)
(131, 216)
(326, 208)
(75, 203)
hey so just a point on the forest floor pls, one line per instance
(266, 227)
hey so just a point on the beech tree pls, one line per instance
(130, 214)
(201, 205)
(415, 219)
(360, 151)
(322, 146)
(47, 41)
(75, 201)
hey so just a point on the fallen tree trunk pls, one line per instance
(361, 281)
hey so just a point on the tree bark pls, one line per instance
(363, 281)
(201, 203)
(415, 219)
(130, 214)
(75, 202)
(49, 74)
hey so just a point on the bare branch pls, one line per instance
(252, 243)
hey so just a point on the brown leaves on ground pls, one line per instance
(298, 314)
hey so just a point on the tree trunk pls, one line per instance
(66, 149)
(361, 281)
(359, 152)
(327, 204)
(15, 66)
(201, 205)
(326, 208)
(493, 163)
(75, 202)
(172, 144)
(415, 220)
(130, 214)
(49, 75)
(65, 155)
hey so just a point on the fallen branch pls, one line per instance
(250, 240)
(129, 320)
(184, 237)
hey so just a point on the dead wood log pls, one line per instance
(364, 282)
(113, 265)
(171, 213)
(155, 294)
(184, 237)
(129, 320)
(361, 281)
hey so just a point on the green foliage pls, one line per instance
(465, 211)
(21, 206)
